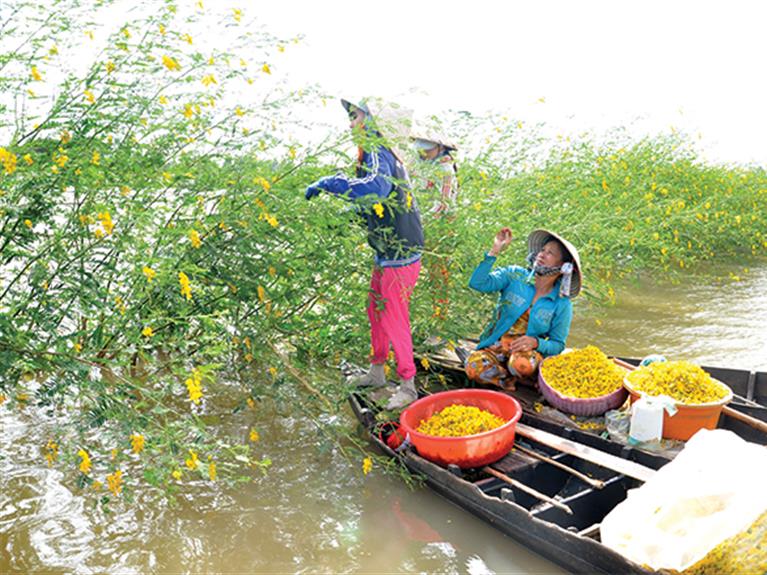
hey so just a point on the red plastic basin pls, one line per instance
(471, 450)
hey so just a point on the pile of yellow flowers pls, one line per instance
(681, 380)
(583, 373)
(459, 421)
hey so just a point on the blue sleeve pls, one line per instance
(560, 328)
(377, 181)
(484, 281)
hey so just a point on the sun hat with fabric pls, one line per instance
(423, 137)
(391, 120)
(535, 242)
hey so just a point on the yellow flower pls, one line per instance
(114, 481)
(425, 363)
(409, 200)
(96, 158)
(379, 210)
(266, 68)
(208, 80)
(85, 463)
(192, 462)
(187, 37)
(254, 437)
(51, 451)
(147, 332)
(367, 465)
(273, 372)
(263, 182)
(2, 399)
(186, 286)
(106, 221)
(137, 443)
(188, 110)
(251, 403)
(149, 273)
(239, 111)
(89, 96)
(171, 63)
(163, 100)
(194, 386)
(28, 159)
(176, 473)
(212, 471)
(8, 160)
(97, 485)
(167, 177)
(126, 32)
(237, 14)
(194, 237)
(162, 29)
(292, 153)
(281, 48)
(109, 66)
(35, 74)
(78, 347)
(28, 223)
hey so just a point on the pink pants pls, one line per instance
(389, 314)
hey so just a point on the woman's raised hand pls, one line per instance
(501, 242)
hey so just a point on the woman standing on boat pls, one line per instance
(534, 311)
(382, 195)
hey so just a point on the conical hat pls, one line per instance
(435, 137)
(392, 120)
(537, 239)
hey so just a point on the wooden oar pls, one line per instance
(745, 418)
(527, 489)
(582, 476)
(597, 456)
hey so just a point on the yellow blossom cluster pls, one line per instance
(114, 482)
(186, 286)
(367, 465)
(194, 386)
(149, 273)
(51, 452)
(683, 381)
(582, 373)
(459, 421)
(194, 238)
(137, 443)
(85, 461)
(192, 461)
(106, 222)
(8, 159)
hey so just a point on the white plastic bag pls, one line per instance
(711, 492)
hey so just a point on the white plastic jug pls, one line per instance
(646, 420)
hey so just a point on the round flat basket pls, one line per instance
(587, 407)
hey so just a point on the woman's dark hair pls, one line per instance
(566, 257)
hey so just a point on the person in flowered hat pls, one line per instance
(534, 311)
(437, 173)
(381, 191)
(435, 181)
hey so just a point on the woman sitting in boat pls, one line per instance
(534, 311)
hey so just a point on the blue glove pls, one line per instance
(313, 190)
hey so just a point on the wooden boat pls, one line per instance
(561, 520)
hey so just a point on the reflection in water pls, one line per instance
(314, 510)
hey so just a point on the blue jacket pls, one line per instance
(550, 317)
(394, 228)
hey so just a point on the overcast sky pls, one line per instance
(574, 64)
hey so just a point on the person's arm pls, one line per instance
(484, 281)
(377, 181)
(560, 328)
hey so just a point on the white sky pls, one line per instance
(597, 64)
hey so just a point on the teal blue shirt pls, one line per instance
(550, 317)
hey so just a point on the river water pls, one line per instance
(314, 510)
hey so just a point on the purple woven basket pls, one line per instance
(578, 406)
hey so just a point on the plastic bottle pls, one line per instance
(646, 420)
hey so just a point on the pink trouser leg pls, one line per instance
(389, 314)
